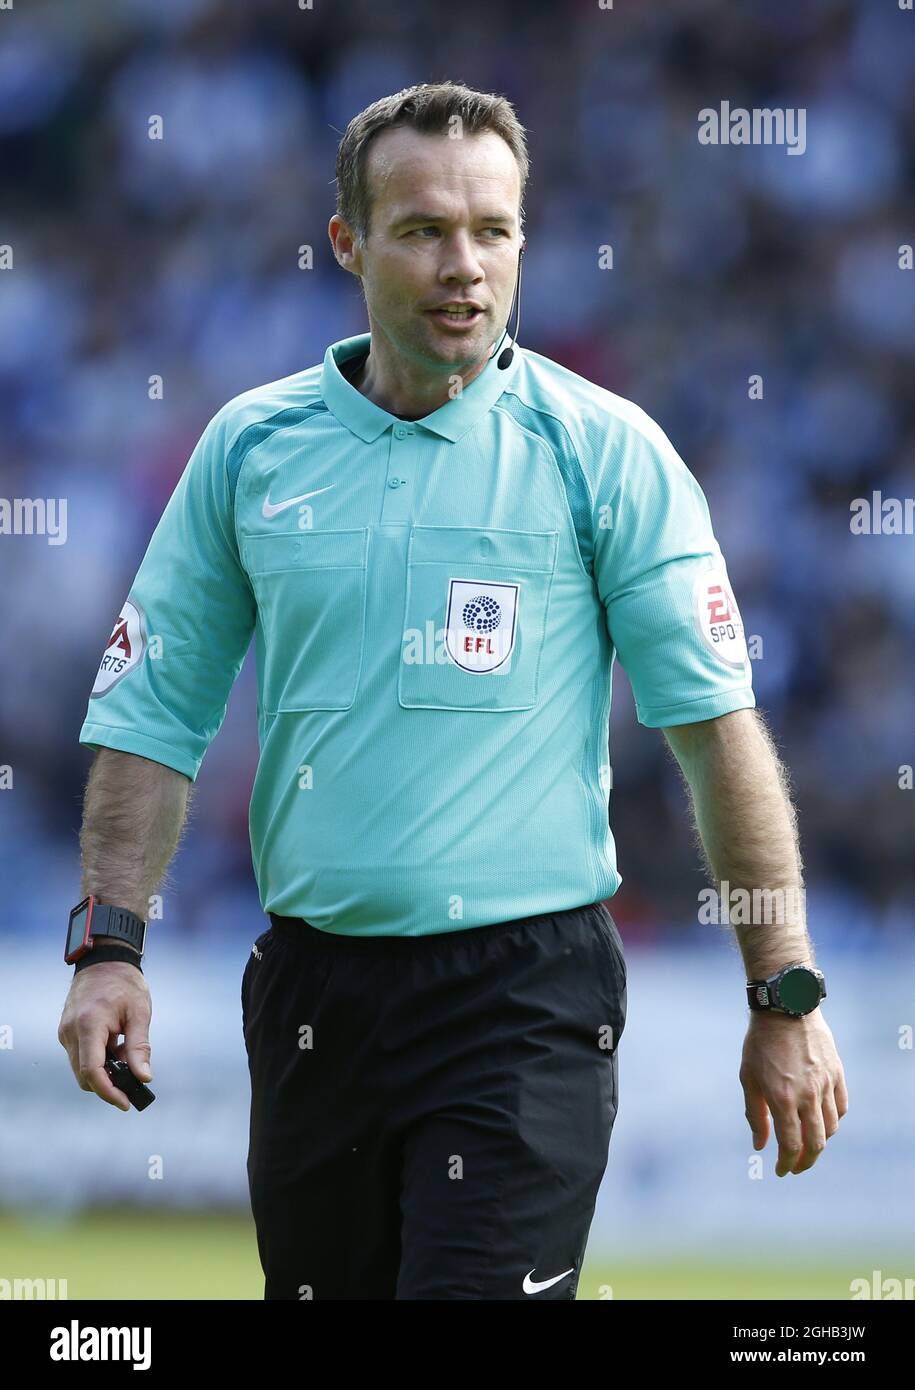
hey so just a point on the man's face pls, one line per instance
(444, 228)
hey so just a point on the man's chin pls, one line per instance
(460, 350)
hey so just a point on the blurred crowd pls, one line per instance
(177, 258)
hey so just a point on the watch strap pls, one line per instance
(99, 954)
(118, 921)
(758, 995)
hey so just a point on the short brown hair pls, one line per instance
(428, 107)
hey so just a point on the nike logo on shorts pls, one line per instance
(529, 1286)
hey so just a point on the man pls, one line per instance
(441, 543)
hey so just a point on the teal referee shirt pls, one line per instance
(436, 606)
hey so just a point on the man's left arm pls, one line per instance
(747, 828)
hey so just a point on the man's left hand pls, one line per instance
(791, 1069)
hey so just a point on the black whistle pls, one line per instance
(136, 1091)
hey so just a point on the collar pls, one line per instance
(451, 420)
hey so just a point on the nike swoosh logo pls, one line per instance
(274, 508)
(529, 1286)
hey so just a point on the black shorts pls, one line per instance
(430, 1116)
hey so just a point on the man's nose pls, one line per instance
(460, 260)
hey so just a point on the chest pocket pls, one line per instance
(475, 617)
(311, 592)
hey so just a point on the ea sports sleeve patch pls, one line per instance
(124, 649)
(718, 617)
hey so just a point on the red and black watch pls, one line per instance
(90, 919)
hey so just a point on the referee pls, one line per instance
(441, 542)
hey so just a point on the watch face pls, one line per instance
(799, 990)
(76, 934)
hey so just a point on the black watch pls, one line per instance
(90, 919)
(796, 989)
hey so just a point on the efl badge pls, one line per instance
(718, 616)
(125, 648)
(481, 622)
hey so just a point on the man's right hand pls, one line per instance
(104, 1001)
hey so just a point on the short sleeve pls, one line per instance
(178, 641)
(671, 611)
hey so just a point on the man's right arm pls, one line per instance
(133, 814)
(158, 701)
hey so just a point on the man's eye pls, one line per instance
(417, 231)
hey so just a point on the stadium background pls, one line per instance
(179, 257)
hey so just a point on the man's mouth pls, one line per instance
(461, 317)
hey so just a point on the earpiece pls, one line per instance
(505, 358)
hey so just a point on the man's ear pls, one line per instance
(353, 251)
